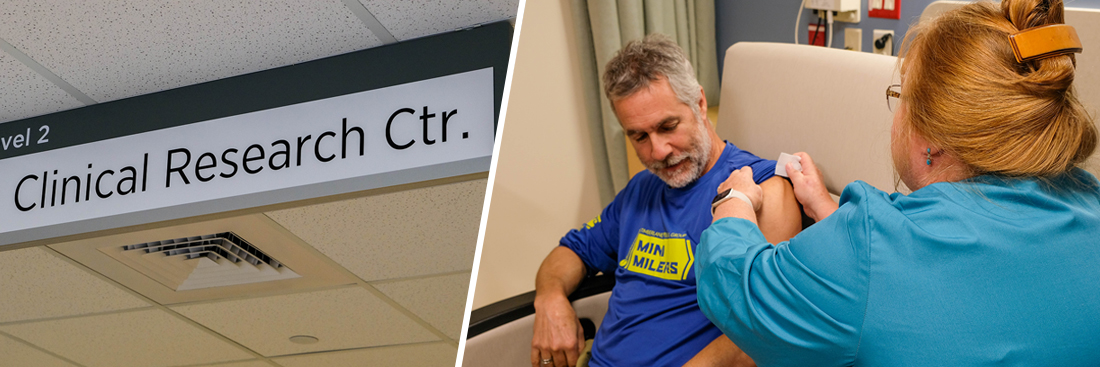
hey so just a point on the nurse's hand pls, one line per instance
(809, 189)
(741, 180)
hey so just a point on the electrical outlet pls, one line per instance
(882, 42)
(853, 39)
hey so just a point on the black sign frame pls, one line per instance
(393, 64)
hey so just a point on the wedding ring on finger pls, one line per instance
(547, 361)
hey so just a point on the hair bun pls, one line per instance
(969, 95)
(1025, 14)
(1049, 77)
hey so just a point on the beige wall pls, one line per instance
(545, 179)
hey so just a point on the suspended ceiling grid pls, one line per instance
(408, 256)
(57, 55)
(408, 253)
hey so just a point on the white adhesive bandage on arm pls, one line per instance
(781, 164)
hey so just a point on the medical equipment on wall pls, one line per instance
(828, 11)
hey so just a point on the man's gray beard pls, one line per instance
(699, 155)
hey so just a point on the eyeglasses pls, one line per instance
(893, 95)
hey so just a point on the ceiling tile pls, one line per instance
(414, 355)
(412, 19)
(38, 285)
(24, 93)
(138, 338)
(112, 49)
(414, 232)
(341, 319)
(252, 363)
(441, 301)
(17, 354)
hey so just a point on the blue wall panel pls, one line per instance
(773, 21)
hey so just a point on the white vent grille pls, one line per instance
(199, 262)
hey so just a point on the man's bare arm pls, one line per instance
(721, 352)
(779, 217)
(558, 335)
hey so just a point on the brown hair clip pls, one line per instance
(1043, 42)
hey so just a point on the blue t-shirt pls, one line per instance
(647, 237)
(986, 272)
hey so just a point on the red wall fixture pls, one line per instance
(889, 9)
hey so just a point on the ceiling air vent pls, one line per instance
(198, 262)
(249, 255)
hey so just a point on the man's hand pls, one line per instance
(809, 189)
(558, 333)
(558, 337)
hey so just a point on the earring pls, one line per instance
(928, 156)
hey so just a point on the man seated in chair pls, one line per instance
(647, 236)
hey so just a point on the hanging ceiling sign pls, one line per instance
(387, 133)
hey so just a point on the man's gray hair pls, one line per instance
(641, 62)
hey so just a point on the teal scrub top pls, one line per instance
(988, 271)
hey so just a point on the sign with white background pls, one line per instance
(411, 132)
